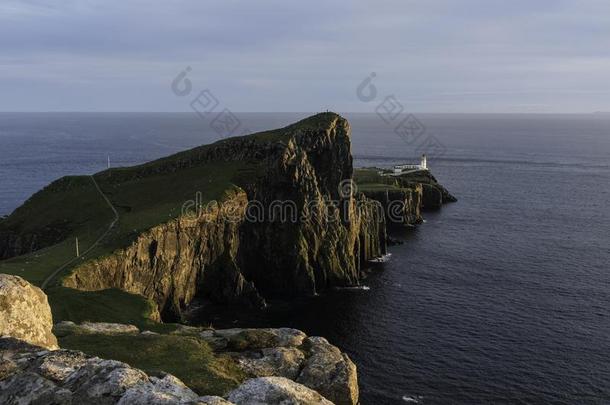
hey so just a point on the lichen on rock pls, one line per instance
(70, 377)
(330, 372)
(275, 391)
(25, 312)
(107, 328)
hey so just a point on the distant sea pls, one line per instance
(502, 297)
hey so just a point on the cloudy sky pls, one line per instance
(278, 55)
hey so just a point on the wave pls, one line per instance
(354, 288)
(381, 259)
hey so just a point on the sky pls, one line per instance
(484, 56)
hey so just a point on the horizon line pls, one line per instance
(304, 112)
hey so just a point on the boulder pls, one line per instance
(275, 391)
(159, 391)
(289, 353)
(211, 400)
(30, 374)
(329, 372)
(34, 370)
(277, 361)
(25, 313)
(66, 328)
(256, 339)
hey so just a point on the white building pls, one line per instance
(423, 165)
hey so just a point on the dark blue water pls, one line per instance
(503, 297)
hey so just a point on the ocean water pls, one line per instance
(502, 297)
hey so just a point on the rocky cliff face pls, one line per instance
(401, 207)
(294, 226)
(434, 195)
(328, 232)
(172, 262)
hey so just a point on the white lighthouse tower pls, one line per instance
(424, 162)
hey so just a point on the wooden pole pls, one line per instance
(77, 252)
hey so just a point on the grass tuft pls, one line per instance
(188, 358)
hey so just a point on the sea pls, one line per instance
(500, 298)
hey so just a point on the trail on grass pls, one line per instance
(50, 278)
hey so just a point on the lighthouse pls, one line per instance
(424, 162)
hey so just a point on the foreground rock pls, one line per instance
(289, 353)
(272, 352)
(290, 368)
(29, 374)
(25, 313)
(329, 372)
(275, 390)
(70, 328)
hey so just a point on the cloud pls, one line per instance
(275, 55)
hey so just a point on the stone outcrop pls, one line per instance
(25, 313)
(274, 361)
(329, 372)
(211, 400)
(66, 328)
(275, 390)
(289, 366)
(30, 374)
(285, 366)
(288, 353)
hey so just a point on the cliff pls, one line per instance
(284, 223)
(280, 213)
(170, 263)
(401, 206)
(404, 197)
(277, 213)
(434, 195)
